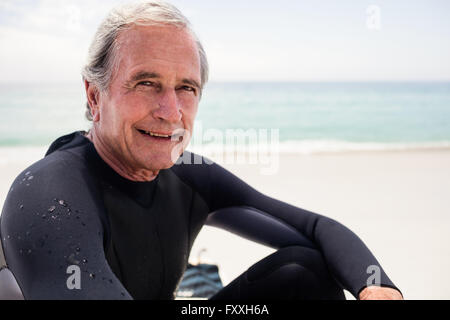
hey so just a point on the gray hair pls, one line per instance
(101, 60)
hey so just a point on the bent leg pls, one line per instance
(291, 273)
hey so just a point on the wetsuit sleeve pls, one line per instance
(52, 234)
(347, 257)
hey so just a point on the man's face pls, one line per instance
(155, 89)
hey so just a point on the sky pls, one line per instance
(46, 41)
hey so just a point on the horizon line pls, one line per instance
(246, 81)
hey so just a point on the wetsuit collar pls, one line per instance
(142, 192)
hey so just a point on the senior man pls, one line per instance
(112, 204)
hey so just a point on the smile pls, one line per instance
(155, 134)
(161, 135)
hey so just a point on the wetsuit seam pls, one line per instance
(81, 160)
(190, 219)
(162, 255)
(312, 239)
(273, 217)
(205, 198)
(313, 231)
(113, 248)
(194, 193)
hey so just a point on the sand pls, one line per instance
(398, 203)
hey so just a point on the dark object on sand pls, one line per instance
(200, 281)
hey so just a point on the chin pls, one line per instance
(158, 163)
(159, 159)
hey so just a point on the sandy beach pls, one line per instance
(397, 203)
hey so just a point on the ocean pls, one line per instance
(309, 117)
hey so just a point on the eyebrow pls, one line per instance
(153, 75)
(145, 75)
(191, 82)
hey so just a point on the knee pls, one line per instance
(302, 257)
(288, 275)
(304, 284)
(300, 271)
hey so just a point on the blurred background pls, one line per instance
(359, 90)
(337, 72)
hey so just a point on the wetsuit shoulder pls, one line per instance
(51, 221)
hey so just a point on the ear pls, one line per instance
(93, 95)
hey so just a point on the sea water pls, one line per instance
(309, 117)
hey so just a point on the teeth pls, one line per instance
(156, 134)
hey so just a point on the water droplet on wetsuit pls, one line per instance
(51, 209)
(77, 249)
(92, 275)
(30, 178)
(61, 202)
(84, 260)
(73, 260)
(28, 173)
(21, 207)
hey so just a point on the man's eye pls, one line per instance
(188, 88)
(145, 83)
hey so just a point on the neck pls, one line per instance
(123, 169)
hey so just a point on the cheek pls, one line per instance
(190, 107)
(188, 119)
(128, 110)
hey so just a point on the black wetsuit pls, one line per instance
(133, 239)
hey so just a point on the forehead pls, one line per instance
(158, 49)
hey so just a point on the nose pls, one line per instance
(168, 107)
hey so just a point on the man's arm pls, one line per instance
(347, 257)
(52, 235)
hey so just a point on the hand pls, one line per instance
(380, 293)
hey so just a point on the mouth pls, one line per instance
(161, 136)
